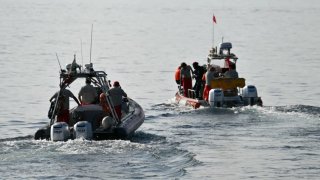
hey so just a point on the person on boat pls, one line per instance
(88, 93)
(116, 94)
(186, 78)
(231, 73)
(210, 75)
(197, 74)
(177, 75)
(104, 103)
(177, 78)
(63, 105)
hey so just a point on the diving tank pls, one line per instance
(250, 95)
(83, 129)
(216, 97)
(59, 131)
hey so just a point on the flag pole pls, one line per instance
(214, 21)
(213, 31)
(91, 43)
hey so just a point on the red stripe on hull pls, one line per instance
(188, 101)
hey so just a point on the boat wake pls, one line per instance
(19, 138)
(304, 109)
(174, 108)
(148, 138)
(171, 143)
(147, 155)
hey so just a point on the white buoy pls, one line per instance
(108, 122)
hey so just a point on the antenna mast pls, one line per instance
(81, 53)
(91, 42)
(59, 61)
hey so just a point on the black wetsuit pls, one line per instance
(198, 86)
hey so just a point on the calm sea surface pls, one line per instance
(140, 43)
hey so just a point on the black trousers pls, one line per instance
(198, 88)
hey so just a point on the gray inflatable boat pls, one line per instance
(91, 121)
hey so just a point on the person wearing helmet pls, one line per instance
(117, 93)
(198, 74)
(87, 94)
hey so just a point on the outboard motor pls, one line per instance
(216, 97)
(83, 129)
(59, 131)
(250, 95)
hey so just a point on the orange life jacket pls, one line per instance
(177, 75)
(104, 103)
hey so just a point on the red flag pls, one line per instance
(214, 19)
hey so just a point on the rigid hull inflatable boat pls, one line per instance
(91, 121)
(222, 91)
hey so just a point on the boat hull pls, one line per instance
(129, 124)
(195, 103)
(231, 101)
(126, 129)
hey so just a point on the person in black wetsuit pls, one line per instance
(198, 73)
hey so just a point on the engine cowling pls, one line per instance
(83, 130)
(59, 131)
(250, 95)
(216, 97)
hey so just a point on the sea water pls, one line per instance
(140, 43)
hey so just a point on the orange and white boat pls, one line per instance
(224, 92)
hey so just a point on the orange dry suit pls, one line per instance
(186, 80)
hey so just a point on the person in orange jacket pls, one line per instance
(177, 78)
(177, 75)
